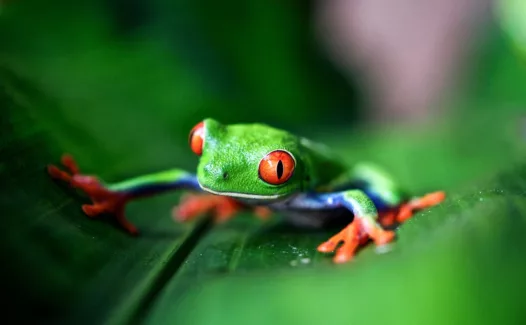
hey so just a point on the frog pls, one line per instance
(266, 170)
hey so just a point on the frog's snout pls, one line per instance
(215, 173)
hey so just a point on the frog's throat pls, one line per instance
(243, 195)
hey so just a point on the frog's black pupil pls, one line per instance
(280, 169)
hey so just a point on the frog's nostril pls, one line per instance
(215, 172)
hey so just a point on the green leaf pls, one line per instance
(462, 256)
(57, 260)
(460, 262)
(124, 108)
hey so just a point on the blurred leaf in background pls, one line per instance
(168, 65)
(512, 14)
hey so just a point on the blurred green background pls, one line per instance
(119, 84)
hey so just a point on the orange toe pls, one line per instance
(384, 237)
(262, 212)
(404, 213)
(430, 200)
(190, 207)
(407, 210)
(89, 210)
(222, 208)
(327, 247)
(56, 173)
(68, 162)
(346, 252)
(342, 257)
(387, 218)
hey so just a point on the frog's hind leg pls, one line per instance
(407, 210)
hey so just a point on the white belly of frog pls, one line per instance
(316, 218)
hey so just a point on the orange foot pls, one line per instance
(355, 234)
(222, 208)
(406, 211)
(104, 201)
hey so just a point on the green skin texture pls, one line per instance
(229, 165)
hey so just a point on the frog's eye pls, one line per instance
(276, 167)
(197, 138)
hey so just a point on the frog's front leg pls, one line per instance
(112, 198)
(363, 227)
(222, 208)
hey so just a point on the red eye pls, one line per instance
(277, 167)
(197, 138)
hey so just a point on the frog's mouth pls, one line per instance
(244, 195)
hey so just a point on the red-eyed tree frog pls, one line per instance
(256, 166)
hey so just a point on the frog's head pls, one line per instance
(249, 161)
